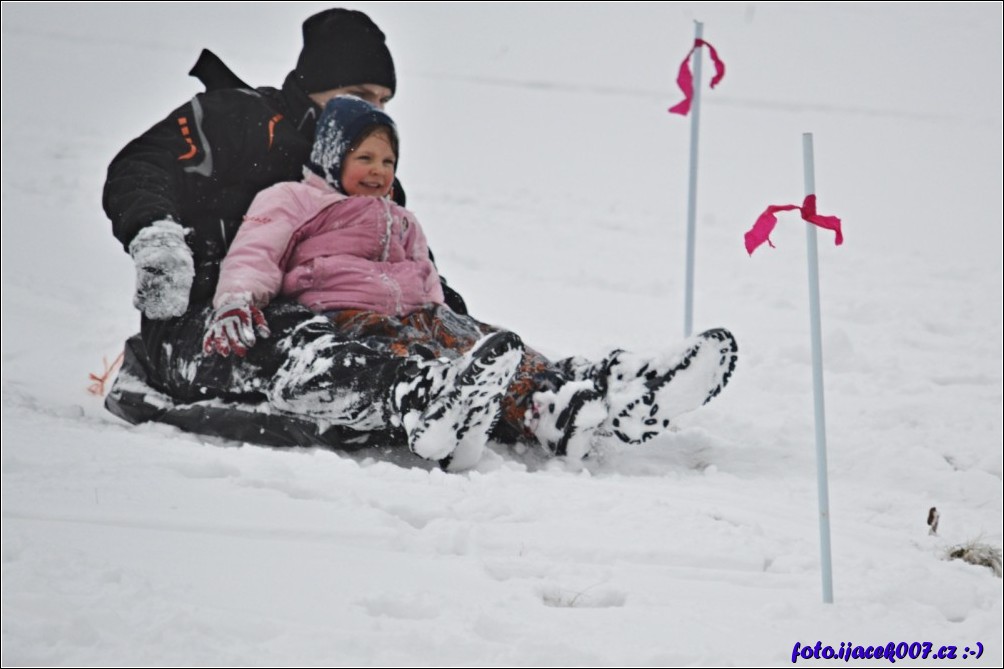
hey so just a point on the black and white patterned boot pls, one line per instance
(449, 407)
(643, 394)
(565, 421)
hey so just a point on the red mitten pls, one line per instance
(235, 327)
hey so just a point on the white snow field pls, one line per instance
(551, 182)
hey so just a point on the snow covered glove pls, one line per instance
(164, 270)
(235, 328)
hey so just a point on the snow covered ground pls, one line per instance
(538, 153)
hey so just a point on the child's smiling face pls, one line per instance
(369, 169)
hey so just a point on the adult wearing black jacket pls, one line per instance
(176, 196)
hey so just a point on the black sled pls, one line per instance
(134, 399)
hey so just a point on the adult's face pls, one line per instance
(375, 94)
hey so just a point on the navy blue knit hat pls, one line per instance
(343, 47)
(341, 123)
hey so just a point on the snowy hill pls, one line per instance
(538, 153)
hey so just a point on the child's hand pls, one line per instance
(233, 328)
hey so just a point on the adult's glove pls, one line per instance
(235, 328)
(164, 270)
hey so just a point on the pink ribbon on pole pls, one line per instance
(685, 80)
(760, 232)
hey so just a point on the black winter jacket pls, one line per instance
(203, 165)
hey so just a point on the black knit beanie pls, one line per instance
(343, 47)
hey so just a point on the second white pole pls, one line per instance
(695, 127)
(822, 478)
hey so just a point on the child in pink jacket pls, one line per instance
(336, 243)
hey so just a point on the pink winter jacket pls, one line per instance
(329, 251)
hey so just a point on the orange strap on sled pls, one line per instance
(98, 385)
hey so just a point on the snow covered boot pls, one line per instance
(565, 420)
(448, 408)
(643, 394)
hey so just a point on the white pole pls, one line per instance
(822, 483)
(695, 126)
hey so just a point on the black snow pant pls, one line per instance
(437, 332)
(232, 397)
(329, 378)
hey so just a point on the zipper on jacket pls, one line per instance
(396, 294)
(388, 230)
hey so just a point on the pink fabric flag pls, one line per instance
(760, 232)
(685, 80)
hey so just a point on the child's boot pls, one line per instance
(643, 394)
(565, 421)
(448, 408)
